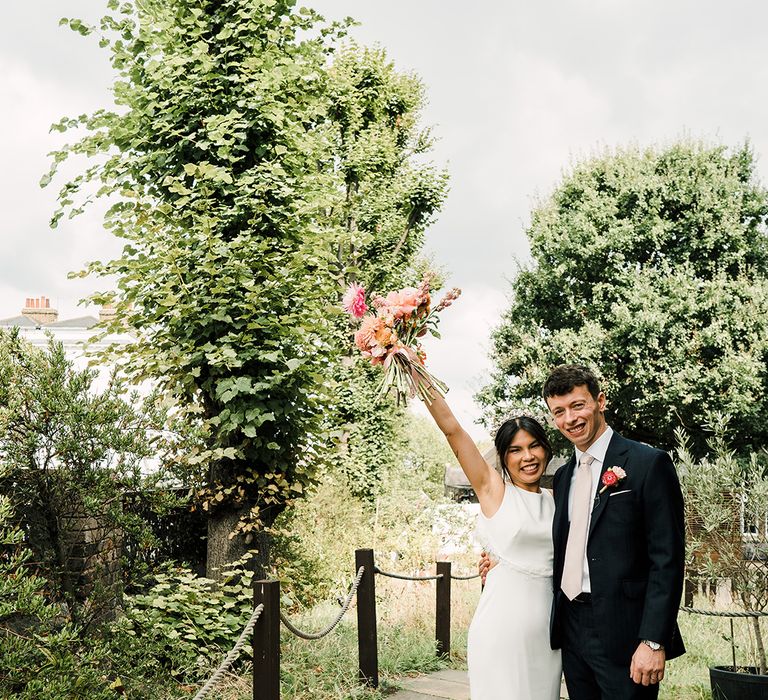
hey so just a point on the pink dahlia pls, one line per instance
(353, 300)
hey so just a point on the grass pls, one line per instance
(708, 643)
(327, 669)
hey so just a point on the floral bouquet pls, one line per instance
(389, 336)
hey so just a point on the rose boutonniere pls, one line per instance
(611, 477)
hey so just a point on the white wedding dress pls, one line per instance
(508, 650)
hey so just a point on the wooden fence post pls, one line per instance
(689, 589)
(443, 609)
(266, 641)
(366, 620)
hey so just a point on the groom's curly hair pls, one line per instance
(565, 378)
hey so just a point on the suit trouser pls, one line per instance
(589, 673)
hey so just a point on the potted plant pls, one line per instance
(726, 503)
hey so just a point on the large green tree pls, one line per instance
(216, 166)
(248, 176)
(650, 266)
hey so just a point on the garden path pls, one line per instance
(441, 685)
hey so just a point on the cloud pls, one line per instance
(516, 91)
(40, 258)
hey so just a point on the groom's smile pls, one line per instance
(575, 432)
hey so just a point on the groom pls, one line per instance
(618, 550)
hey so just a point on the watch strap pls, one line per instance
(653, 645)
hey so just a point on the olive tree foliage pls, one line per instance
(649, 266)
(69, 449)
(726, 508)
(388, 193)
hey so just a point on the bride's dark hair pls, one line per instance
(506, 433)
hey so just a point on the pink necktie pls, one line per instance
(577, 535)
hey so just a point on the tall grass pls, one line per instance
(326, 669)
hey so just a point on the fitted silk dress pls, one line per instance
(508, 650)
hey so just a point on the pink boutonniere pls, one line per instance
(611, 477)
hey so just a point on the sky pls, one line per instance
(517, 92)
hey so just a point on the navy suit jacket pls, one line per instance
(635, 551)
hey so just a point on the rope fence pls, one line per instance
(403, 577)
(329, 629)
(222, 670)
(716, 613)
(266, 635)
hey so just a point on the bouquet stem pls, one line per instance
(410, 379)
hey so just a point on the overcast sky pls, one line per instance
(517, 92)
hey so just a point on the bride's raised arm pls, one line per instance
(485, 480)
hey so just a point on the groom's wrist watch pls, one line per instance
(654, 645)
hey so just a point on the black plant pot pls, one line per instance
(740, 683)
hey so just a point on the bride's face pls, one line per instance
(526, 460)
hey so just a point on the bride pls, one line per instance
(508, 651)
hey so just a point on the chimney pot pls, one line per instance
(107, 312)
(39, 310)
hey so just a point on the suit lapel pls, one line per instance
(561, 497)
(615, 456)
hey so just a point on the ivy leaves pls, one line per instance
(211, 164)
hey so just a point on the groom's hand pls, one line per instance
(647, 667)
(484, 566)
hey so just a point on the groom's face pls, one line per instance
(579, 416)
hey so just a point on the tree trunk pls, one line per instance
(222, 550)
(760, 646)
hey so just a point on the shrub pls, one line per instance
(42, 656)
(189, 621)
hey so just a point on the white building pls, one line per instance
(37, 320)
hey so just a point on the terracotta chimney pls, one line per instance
(39, 310)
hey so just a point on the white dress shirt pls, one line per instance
(597, 450)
